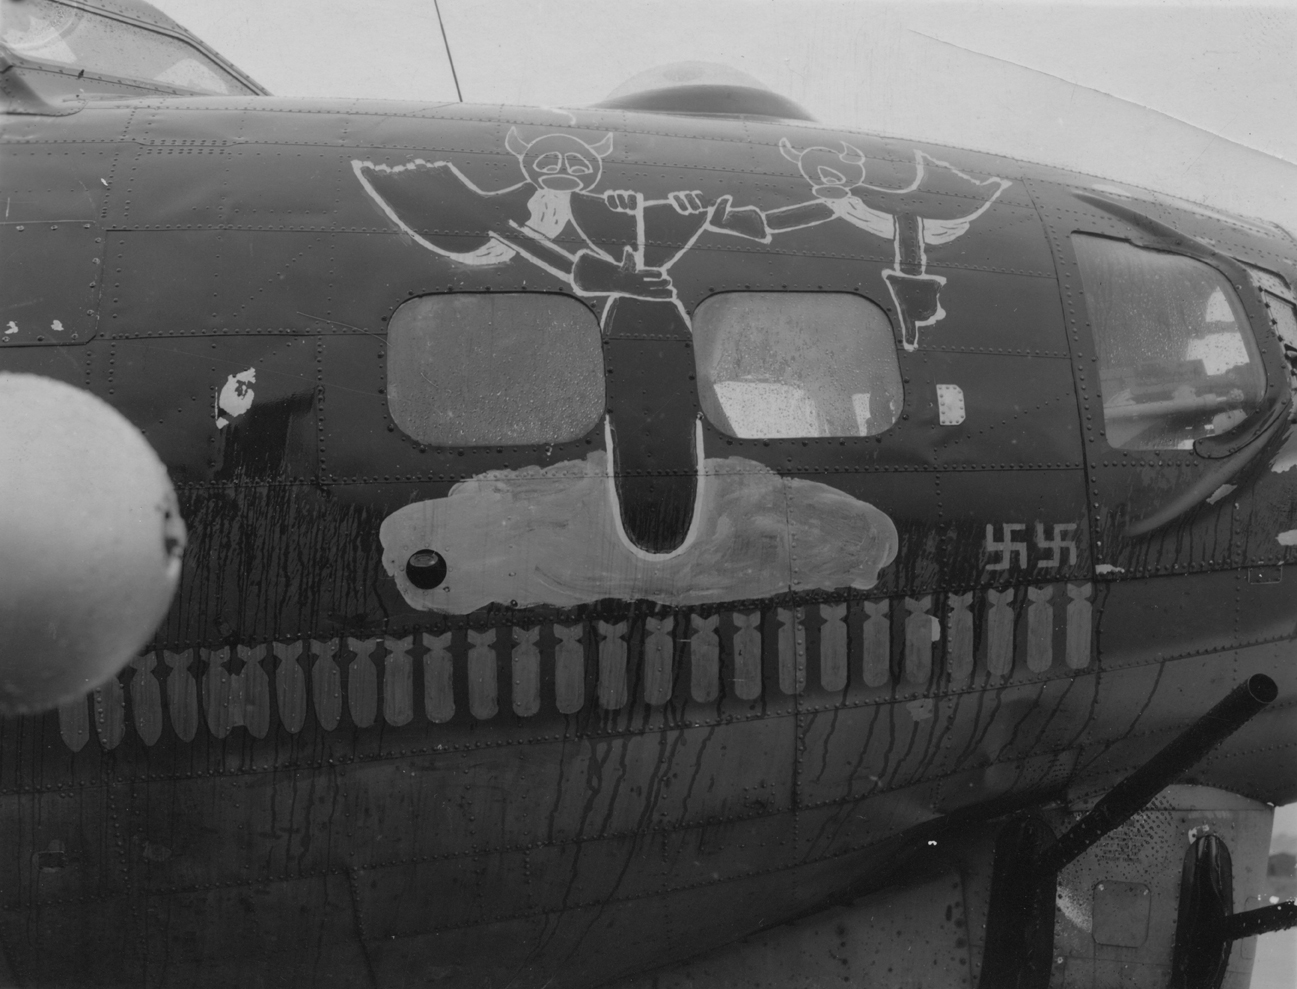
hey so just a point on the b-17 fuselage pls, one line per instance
(613, 533)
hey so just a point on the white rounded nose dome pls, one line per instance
(90, 542)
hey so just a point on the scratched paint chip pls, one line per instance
(1286, 458)
(1222, 492)
(1103, 568)
(920, 710)
(235, 397)
(1288, 538)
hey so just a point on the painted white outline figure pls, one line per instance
(557, 170)
(837, 180)
(611, 245)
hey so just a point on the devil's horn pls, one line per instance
(514, 142)
(852, 155)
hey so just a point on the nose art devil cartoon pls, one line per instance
(617, 245)
(651, 514)
(935, 208)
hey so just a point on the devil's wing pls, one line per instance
(444, 211)
(955, 200)
(945, 198)
(859, 213)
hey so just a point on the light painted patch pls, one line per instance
(950, 405)
(1075, 906)
(1288, 538)
(1197, 832)
(1103, 568)
(11, 329)
(56, 326)
(552, 536)
(235, 397)
(1286, 458)
(920, 710)
(1222, 492)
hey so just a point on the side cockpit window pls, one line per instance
(74, 38)
(796, 364)
(1177, 358)
(494, 368)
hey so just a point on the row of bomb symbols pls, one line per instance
(890, 642)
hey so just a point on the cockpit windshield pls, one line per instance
(1177, 360)
(72, 38)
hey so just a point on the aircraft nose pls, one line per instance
(90, 542)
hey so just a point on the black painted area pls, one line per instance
(1020, 919)
(273, 438)
(648, 357)
(1206, 892)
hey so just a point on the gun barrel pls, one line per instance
(1133, 793)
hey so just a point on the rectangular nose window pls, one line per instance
(480, 369)
(1177, 359)
(796, 364)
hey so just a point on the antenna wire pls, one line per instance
(449, 58)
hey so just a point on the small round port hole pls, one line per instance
(425, 569)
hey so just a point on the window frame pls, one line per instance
(582, 439)
(893, 338)
(133, 82)
(1246, 333)
(1146, 233)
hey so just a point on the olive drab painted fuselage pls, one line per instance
(541, 620)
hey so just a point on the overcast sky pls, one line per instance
(1196, 100)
